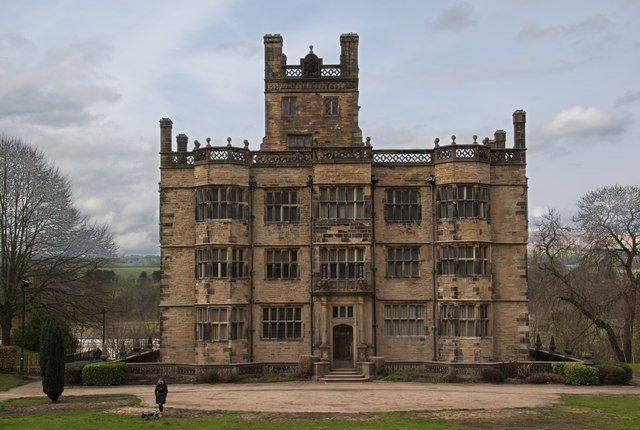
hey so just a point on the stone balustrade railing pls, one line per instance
(365, 154)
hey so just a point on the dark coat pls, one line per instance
(161, 392)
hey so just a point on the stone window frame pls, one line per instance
(281, 204)
(220, 323)
(342, 263)
(462, 201)
(280, 263)
(221, 262)
(289, 106)
(404, 320)
(464, 260)
(297, 141)
(202, 263)
(282, 323)
(402, 205)
(342, 203)
(331, 106)
(403, 261)
(342, 311)
(221, 202)
(464, 319)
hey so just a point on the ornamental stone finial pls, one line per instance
(246, 144)
(228, 141)
(196, 144)
(436, 142)
(453, 139)
(310, 49)
(208, 142)
(368, 141)
(475, 139)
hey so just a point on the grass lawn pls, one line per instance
(636, 368)
(9, 380)
(132, 271)
(85, 412)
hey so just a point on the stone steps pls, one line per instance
(344, 375)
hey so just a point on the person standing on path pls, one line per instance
(161, 394)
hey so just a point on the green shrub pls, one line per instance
(624, 366)
(73, 372)
(398, 376)
(491, 374)
(611, 375)
(579, 374)
(557, 367)
(545, 378)
(104, 373)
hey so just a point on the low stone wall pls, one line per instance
(193, 372)
(432, 369)
(180, 372)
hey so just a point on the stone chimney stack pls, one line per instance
(183, 140)
(273, 58)
(349, 55)
(519, 120)
(500, 137)
(165, 134)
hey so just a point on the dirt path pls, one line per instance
(376, 396)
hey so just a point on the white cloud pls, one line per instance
(584, 121)
(538, 211)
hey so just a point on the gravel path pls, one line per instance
(376, 396)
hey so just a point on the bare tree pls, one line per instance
(595, 270)
(610, 217)
(45, 239)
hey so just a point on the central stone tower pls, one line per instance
(313, 103)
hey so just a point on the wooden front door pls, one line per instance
(343, 346)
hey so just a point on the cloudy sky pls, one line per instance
(87, 82)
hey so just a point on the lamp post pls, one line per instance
(25, 284)
(104, 313)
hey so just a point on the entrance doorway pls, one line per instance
(343, 346)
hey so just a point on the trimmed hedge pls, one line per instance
(104, 373)
(545, 378)
(624, 366)
(8, 358)
(611, 375)
(491, 374)
(580, 374)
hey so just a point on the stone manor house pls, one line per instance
(319, 244)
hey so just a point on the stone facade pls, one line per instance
(317, 244)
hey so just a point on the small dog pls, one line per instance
(150, 414)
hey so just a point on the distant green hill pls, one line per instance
(139, 260)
